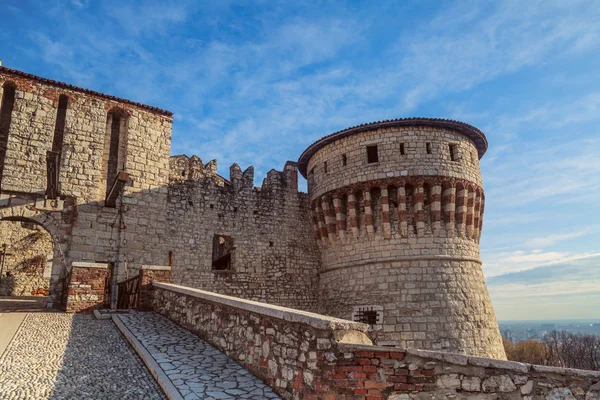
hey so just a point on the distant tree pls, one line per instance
(527, 351)
(557, 349)
(571, 350)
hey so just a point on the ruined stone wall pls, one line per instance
(399, 236)
(28, 263)
(274, 257)
(88, 230)
(309, 356)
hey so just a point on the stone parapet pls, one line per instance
(303, 355)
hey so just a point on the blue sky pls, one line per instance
(256, 82)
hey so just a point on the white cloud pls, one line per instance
(550, 240)
(497, 264)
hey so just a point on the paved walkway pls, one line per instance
(195, 368)
(66, 356)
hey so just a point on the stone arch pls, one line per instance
(56, 224)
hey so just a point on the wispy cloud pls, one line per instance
(255, 83)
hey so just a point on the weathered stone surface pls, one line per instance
(450, 381)
(471, 383)
(527, 388)
(560, 394)
(499, 383)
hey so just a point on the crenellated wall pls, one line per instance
(274, 257)
(397, 211)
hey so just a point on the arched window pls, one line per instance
(6, 109)
(115, 145)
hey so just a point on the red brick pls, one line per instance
(349, 369)
(369, 368)
(378, 385)
(367, 354)
(382, 354)
(397, 356)
(358, 376)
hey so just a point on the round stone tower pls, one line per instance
(397, 208)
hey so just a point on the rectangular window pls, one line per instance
(325, 167)
(222, 250)
(312, 172)
(370, 315)
(428, 147)
(453, 152)
(372, 155)
(402, 148)
(344, 160)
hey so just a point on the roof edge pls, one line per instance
(477, 136)
(74, 88)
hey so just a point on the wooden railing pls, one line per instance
(128, 293)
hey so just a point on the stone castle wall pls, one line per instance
(399, 235)
(274, 257)
(40, 115)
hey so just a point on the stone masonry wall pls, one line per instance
(308, 356)
(274, 257)
(400, 235)
(129, 235)
(26, 268)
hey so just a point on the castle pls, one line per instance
(388, 233)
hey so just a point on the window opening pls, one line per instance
(370, 315)
(222, 249)
(372, 155)
(8, 103)
(344, 160)
(453, 152)
(428, 146)
(59, 127)
(325, 167)
(402, 148)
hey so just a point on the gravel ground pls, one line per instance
(66, 356)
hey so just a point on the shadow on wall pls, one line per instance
(26, 267)
(270, 260)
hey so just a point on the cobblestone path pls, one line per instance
(65, 356)
(197, 369)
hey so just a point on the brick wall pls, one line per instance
(85, 291)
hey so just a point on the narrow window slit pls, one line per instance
(372, 154)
